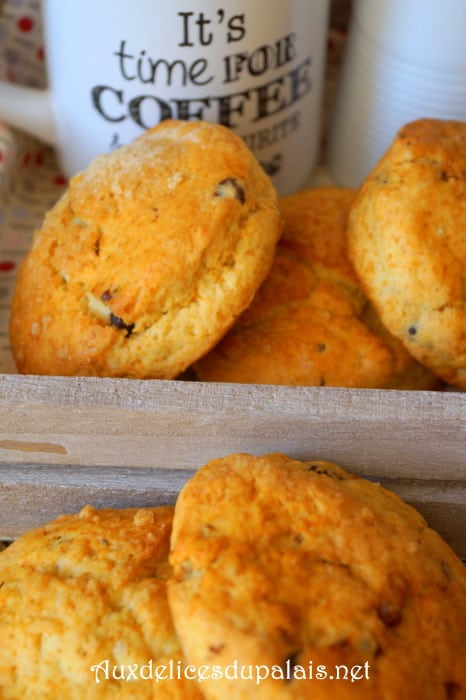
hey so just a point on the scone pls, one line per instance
(147, 258)
(310, 323)
(407, 243)
(84, 611)
(304, 581)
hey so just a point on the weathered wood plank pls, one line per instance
(65, 442)
(91, 421)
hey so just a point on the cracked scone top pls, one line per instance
(295, 566)
(407, 243)
(147, 258)
(83, 600)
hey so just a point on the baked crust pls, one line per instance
(407, 243)
(148, 257)
(280, 563)
(80, 591)
(310, 323)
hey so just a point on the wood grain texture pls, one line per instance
(65, 442)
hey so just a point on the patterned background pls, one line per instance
(29, 178)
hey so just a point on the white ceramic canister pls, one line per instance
(404, 60)
(117, 67)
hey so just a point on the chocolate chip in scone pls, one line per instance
(452, 690)
(382, 178)
(389, 614)
(317, 469)
(230, 189)
(121, 324)
(290, 663)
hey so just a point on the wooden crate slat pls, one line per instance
(65, 442)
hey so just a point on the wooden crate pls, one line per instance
(66, 442)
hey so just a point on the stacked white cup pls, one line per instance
(404, 60)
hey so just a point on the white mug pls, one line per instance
(117, 67)
(403, 61)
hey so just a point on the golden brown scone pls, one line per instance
(407, 243)
(148, 257)
(289, 566)
(82, 601)
(310, 323)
